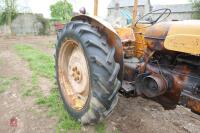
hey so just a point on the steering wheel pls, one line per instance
(164, 11)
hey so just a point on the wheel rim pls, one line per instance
(73, 74)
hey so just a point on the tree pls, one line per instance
(61, 10)
(8, 12)
(196, 7)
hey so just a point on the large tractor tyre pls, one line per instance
(86, 72)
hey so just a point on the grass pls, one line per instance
(51, 45)
(65, 122)
(30, 90)
(42, 65)
(100, 128)
(117, 131)
(5, 83)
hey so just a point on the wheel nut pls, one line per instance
(76, 78)
(74, 69)
(78, 72)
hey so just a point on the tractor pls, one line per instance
(153, 59)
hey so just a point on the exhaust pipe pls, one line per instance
(154, 85)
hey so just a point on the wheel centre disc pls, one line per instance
(76, 70)
(73, 74)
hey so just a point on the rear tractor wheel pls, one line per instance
(86, 72)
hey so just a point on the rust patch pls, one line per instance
(126, 34)
(155, 36)
(107, 30)
(194, 104)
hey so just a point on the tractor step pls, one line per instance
(128, 87)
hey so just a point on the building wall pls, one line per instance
(115, 15)
(123, 21)
(178, 16)
(26, 24)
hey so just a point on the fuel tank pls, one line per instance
(180, 36)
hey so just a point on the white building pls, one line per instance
(121, 11)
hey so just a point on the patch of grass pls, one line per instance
(29, 90)
(5, 83)
(100, 128)
(57, 109)
(117, 131)
(42, 65)
(51, 45)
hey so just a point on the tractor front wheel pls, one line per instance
(86, 72)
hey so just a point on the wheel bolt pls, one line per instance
(74, 69)
(78, 72)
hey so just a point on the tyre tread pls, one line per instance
(101, 102)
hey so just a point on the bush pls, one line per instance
(196, 7)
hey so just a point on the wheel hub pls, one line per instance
(76, 74)
(73, 74)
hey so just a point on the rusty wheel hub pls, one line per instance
(73, 74)
(76, 74)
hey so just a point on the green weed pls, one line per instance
(100, 128)
(5, 83)
(42, 65)
(57, 109)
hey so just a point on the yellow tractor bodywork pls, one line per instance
(155, 60)
(140, 44)
(184, 36)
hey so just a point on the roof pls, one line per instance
(124, 3)
(177, 8)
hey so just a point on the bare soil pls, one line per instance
(132, 115)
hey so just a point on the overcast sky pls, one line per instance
(42, 6)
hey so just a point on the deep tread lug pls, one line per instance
(90, 42)
(100, 62)
(114, 74)
(103, 96)
(110, 56)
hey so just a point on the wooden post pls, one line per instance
(135, 12)
(95, 7)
